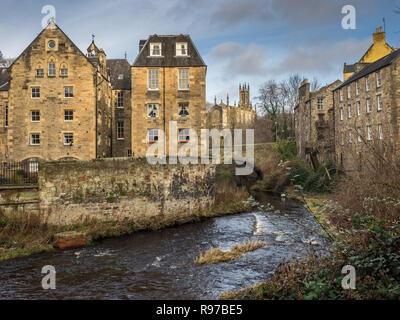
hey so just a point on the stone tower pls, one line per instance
(244, 96)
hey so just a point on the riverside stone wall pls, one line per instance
(123, 188)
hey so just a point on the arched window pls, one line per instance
(51, 72)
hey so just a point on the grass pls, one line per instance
(216, 255)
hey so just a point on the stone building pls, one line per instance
(367, 113)
(168, 84)
(55, 102)
(376, 51)
(225, 116)
(314, 124)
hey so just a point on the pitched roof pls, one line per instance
(4, 79)
(169, 58)
(349, 68)
(118, 67)
(372, 67)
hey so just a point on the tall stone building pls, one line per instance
(376, 51)
(55, 102)
(367, 114)
(226, 116)
(314, 124)
(168, 84)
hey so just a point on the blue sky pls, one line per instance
(241, 41)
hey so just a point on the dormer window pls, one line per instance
(181, 49)
(155, 49)
(120, 77)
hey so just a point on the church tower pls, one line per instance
(244, 96)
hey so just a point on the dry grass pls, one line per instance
(216, 255)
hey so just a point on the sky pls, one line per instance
(250, 41)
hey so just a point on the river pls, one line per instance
(159, 264)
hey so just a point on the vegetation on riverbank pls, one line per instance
(364, 225)
(216, 255)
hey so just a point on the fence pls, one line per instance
(18, 173)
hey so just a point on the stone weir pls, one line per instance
(114, 189)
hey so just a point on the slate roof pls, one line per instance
(4, 79)
(372, 67)
(349, 68)
(168, 49)
(117, 67)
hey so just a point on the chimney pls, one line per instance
(379, 36)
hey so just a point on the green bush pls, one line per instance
(286, 150)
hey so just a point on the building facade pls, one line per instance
(168, 84)
(314, 123)
(367, 114)
(225, 116)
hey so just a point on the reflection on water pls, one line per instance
(159, 264)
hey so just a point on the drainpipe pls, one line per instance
(165, 134)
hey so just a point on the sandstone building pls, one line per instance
(314, 123)
(225, 116)
(367, 114)
(376, 51)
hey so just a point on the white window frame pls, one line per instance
(357, 88)
(33, 166)
(358, 108)
(179, 49)
(349, 111)
(379, 102)
(50, 68)
(153, 107)
(120, 99)
(320, 103)
(153, 76)
(67, 136)
(183, 134)
(183, 79)
(359, 135)
(183, 106)
(368, 104)
(152, 134)
(341, 95)
(64, 72)
(32, 89)
(380, 131)
(349, 92)
(31, 139)
(121, 76)
(341, 113)
(120, 130)
(66, 92)
(41, 75)
(378, 79)
(65, 115)
(367, 84)
(152, 45)
(31, 115)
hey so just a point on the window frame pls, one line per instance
(120, 130)
(151, 81)
(185, 136)
(358, 103)
(379, 102)
(65, 134)
(64, 75)
(183, 106)
(341, 115)
(120, 100)
(31, 139)
(378, 79)
(41, 75)
(380, 131)
(320, 103)
(369, 133)
(38, 92)
(367, 84)
(31, 113)
(349, 92)
(349, 111)
(152, 105)
(65, 92)
(181, 79)
(357, 88)
(50, 68)
(150, 132)
(65, 115)
(178, 51)
(368, 106)
(152, 45)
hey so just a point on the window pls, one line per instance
(6, 114)
(341, 113)
(367, 83)
(368, 105)
(33, 166)
(153, 79)
(120, 77)
(378, 79)
(341, 95)
(129, 153)
(320, 103)
(348, 92)
(379, 102)
(120, 130)
(35, 139)
(120, 99)
(68, 115)
(349, 111)
(369, 133)
(380, 131)
(183, 79)
(51, 44)
(68, 139)
(358, 108)
(181, 49)
(68, 92)
(359, 134)
(342, 138)
(35, 116)
(183, 108)
(357, 89)
(64, 72)
(152, 110)
(155, 49)
(152, 135)
(350, 136)
(183, 135)
(52, 69)
(39, 73)
(35, 92)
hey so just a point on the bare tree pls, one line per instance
(315, 84)
(5, 62)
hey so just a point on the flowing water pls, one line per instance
(159, 264)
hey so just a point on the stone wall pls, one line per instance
(19, 199)
(118, 188)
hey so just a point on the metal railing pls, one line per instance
(18, 173)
